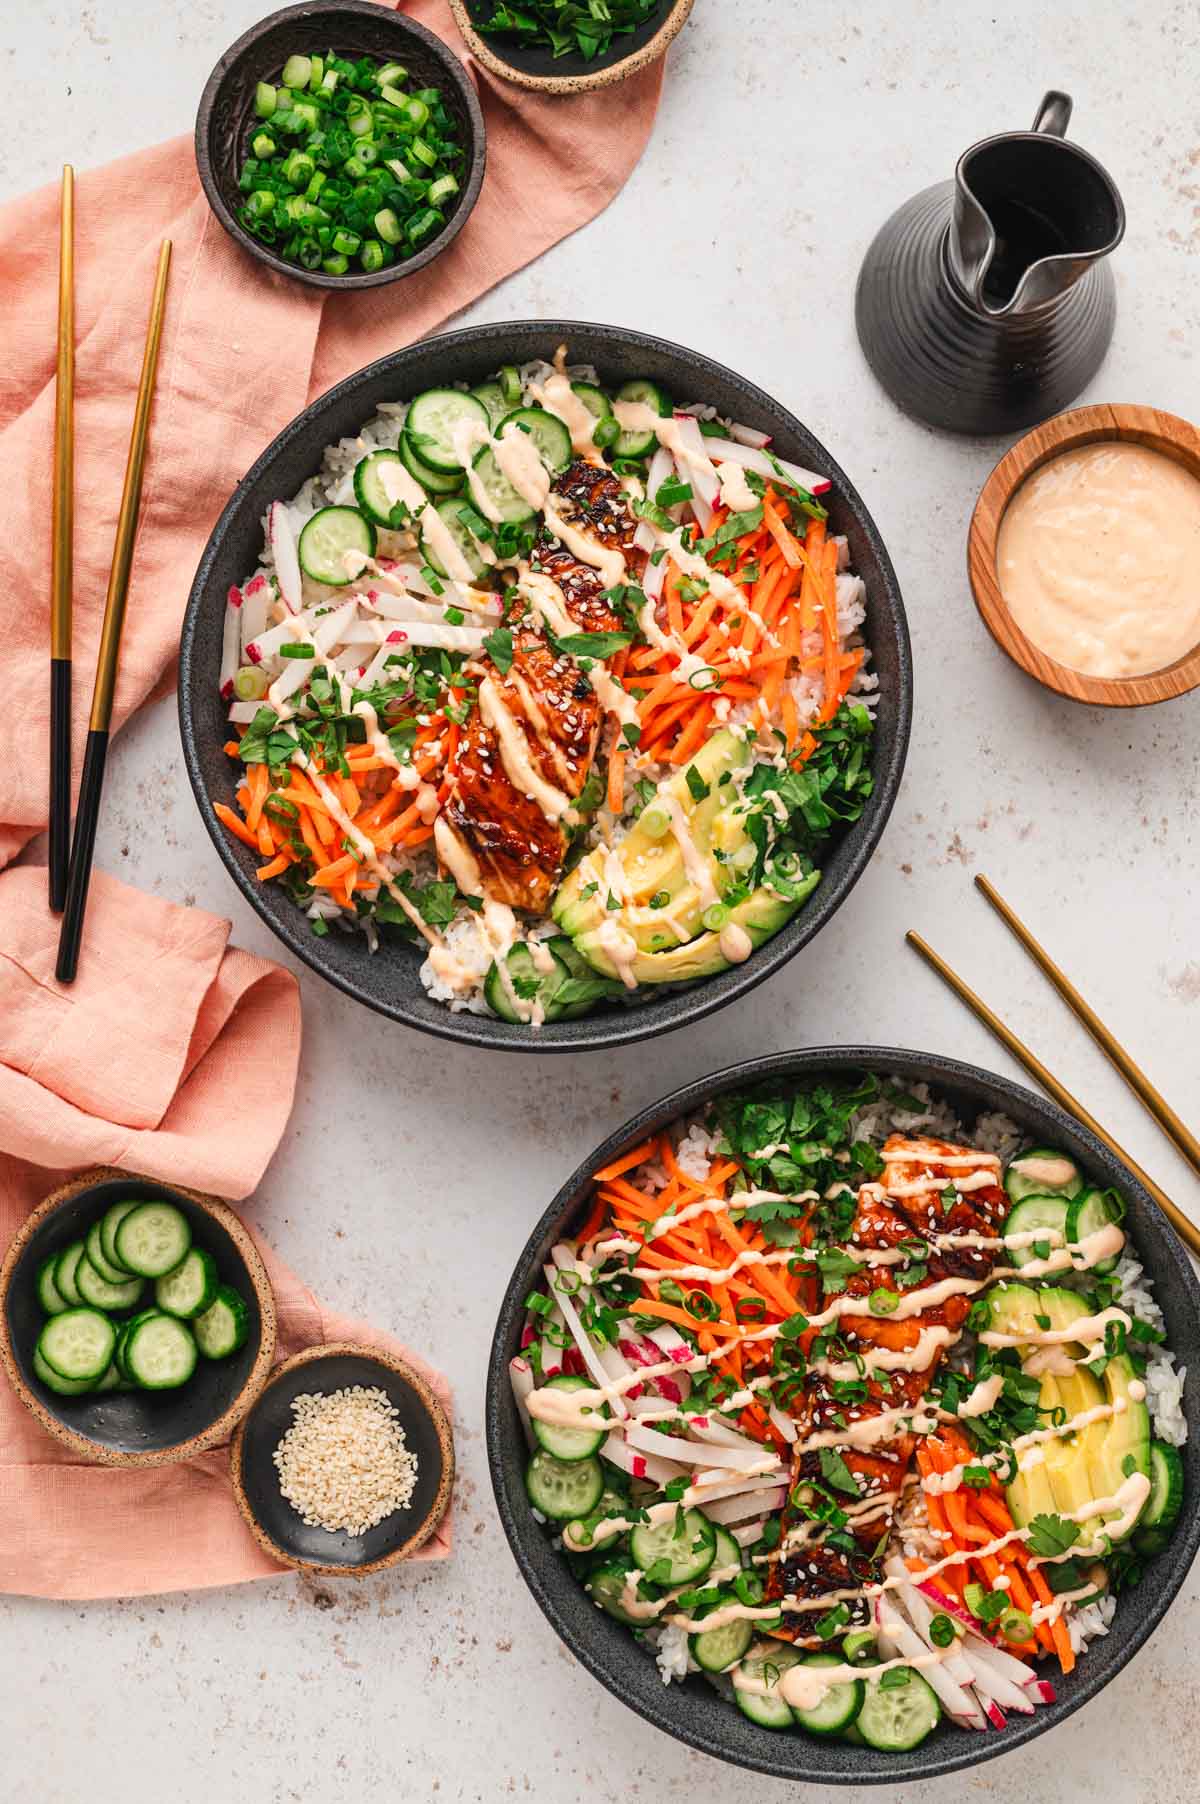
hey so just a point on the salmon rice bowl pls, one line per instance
(567, 687)
(867, 1419)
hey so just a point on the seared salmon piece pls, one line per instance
(517, 845)
(919, 1198)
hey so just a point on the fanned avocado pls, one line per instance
(762, 914)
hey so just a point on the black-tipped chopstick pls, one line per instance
(61, 553)
(96, 752)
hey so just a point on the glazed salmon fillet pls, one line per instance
(517, 845)
(929, 1188)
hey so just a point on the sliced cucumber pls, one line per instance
(126, 1330)
(438, 482)
(111, 1380)
(224, 1326)
(767, 1709)
(325, 541)
(548, 433)
(191, 1287)
(108, 1234)
(524, 976)
(563, 1489)
(97, 1290)
(490, 395)
(648, 394)
(65, 1268)
(94, 1246)
(606, 1587)
(153, 1238)
(369, 489)
(65, 1387)
(509, 503)
(838, 1708)
(1042, 1171)
(1087, 1213)
(569, 1443)
(431, 421)
(689, 1547)
(49, 1295)
(509, 379)
(593, 398)
(1165, 1500)
(897, 1717)
(716, 1650)
(726, 1552)
(160, 1353)
(79, 1343)
(1043, 1213)
(448, 510)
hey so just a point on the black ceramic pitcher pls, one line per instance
(984, 304)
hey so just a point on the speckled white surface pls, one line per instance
(412, 1171)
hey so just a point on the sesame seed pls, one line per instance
(344, 1463)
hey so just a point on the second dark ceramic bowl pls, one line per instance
(693, 1712)
(388, 980)
(226, 120)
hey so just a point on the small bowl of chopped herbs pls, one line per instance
(341, 145)
(569, 46)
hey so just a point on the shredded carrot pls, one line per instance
(276, 868)
(236, 825)
(626, 1162)
(616, 779)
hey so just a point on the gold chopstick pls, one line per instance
(1157, 1105)
(1187, 1230)
(61, 552)
(91, 784)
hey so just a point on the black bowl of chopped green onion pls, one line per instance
(568, 46)
(340, 145)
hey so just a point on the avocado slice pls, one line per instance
(1125, 1448)
(761, 914)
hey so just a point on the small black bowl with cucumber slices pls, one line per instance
(136, 1320)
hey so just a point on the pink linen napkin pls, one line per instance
(145, 1063)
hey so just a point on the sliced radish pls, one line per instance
(287, 563)
(749, 435)
(734, 1509)
(640, 1465)
(231, 641)
(751, 458)
(520, 1376)
(900, 1635)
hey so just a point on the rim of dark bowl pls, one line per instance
(491, 346)
(698, 1716)
(385, 21)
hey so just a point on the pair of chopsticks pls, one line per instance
(71, 855)
(1155, 1104)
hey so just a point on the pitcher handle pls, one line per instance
(1054, 114)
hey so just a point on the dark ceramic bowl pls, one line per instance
(137, 1428)
(226, 120)
(276, 1526)
(693, 1712)
(388, 980)
(537, 68)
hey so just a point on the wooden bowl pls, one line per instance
(136, 1428)
(541, 71)
(1164, 432)
(226, 119)
(279, 1530)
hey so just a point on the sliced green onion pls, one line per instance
(859, 1647)
(265, 96)
(297, 71)
(510, 385)
(371, 256)
(942, 1631)
(1016, 1626)
(345, 243)
(715, 917)
(250, 683)
(883, 1302)
(654, 820)
(336, 265)
(424, 225)
(443, 189)
(390, 74)
(263, 144)
(605, 432)
(388, 226)
(416, 112)
(299, 169)
(316, 72)
(424, 153)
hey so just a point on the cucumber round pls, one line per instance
(593, 398)
(63, 1387)
(716, 1650)
(49, 1295)
(1058, 1174)
(322, 548)
(490, 395)
(108, 1233)
(767, 1709)
(509, 503)
(448, 510)
(160, 1353)
(648, 394)
(689, 1546)
(431, 421)
(606, 1587)
(438, 482)
(1047, 1213)
(369, 489)
(563, 1489)
(726, 1552)
(1165, 1500)
(97, 1290)
(522, 970)
(65, 1268)
(1087, 1213)
(838, 1708)
(190, 1288)
(79, 1343)
(569, 1443)
(548, 433)
(153, 1238)
(94, 1247)
(224, 1325)
(125, 1331)
(898, 1717)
